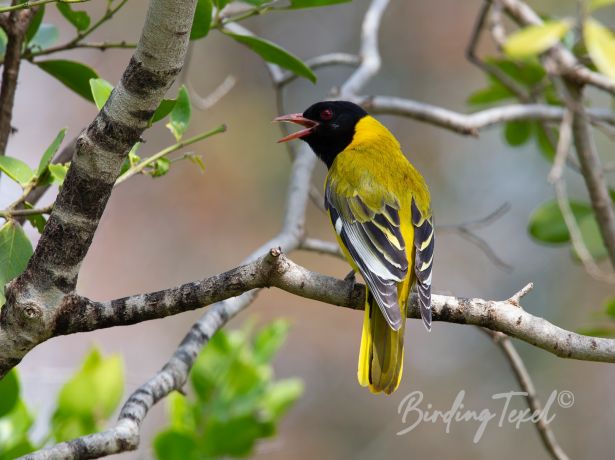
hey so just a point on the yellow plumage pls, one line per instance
(373, 168)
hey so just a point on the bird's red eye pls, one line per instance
(326, 114)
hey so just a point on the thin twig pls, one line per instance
(11, 213)
(29, 5)
(592, 168)
(76, 41)
(16, 25)
(139, 167)
(322, 247)
(465, 231)
(370, 55)
(471, 124)
(525, 382)
(559, 58)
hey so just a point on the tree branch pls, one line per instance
(559, 59)
(15, 27)
(370, 55)
(591, 168)
(471, 124)
(525, 381)
(274, 269)
(30, 311)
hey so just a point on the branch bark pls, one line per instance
(591, 168)
(15, 26)
(471, 124)
(274, 269)
(30, 312)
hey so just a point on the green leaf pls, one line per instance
(180, 412)
(221, 3)
(79, 19)
(35, 23)
(58, 172)
(296, 4)
(161, 167)
(281, 395)
(609, 307)
(598, 331)
(180, 115)
(528, 72)
(9, 392)
(493, 93)
(269, 339)
(101, 90)
(16, 170)
(15, 252)
(542, 141)
(547, 223)
(517, 133)
(50, 152)
(14, 428)
(74, 75)
(38, 221)
(197, 160)
(535, 39)
(600, 44)
(590, 231)
(175, 445)
(46, 36)
(165, 107)
(595, 4)
(202, 19)
(271, 52)
(89, 397)
(3, 41)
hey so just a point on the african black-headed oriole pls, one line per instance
(379, 206)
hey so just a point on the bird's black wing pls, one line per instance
(423, 258)
(374, 240)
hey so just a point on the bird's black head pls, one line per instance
(329, 127)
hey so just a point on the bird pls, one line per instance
(380, 208)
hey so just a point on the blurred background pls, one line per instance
(187, 225)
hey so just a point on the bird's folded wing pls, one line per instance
(424, 244)
(375, 243)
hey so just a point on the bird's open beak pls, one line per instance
(299, 119)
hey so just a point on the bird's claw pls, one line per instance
(351, 277)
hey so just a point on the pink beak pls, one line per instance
(299, 119)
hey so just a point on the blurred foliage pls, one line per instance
(85, 404)
(89, 398)
(236, 400)
(520, 76)
(15, 251)
(604, 321)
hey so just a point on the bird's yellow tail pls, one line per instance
(382, 350)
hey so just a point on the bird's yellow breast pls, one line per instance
(374, 166)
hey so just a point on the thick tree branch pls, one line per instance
(79, 314)
(30, 312)
(275, 270)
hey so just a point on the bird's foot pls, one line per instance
(351, 277)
